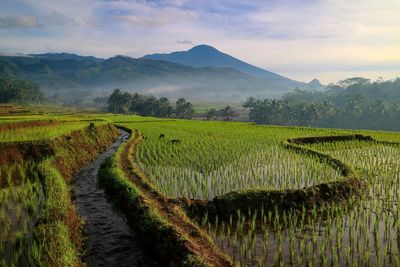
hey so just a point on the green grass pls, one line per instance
(229, 152)
(57, 236)
(40, 133)
(155, 232)
(355, 232)
(215, 158)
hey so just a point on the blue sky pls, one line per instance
(303, 39)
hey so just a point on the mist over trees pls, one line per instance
(19, 91)
(354, 103)
(147, 105)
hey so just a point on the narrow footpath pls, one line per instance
(109, 242)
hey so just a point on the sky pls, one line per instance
(301, 39)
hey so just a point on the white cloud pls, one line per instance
(157, 18)
(147, 14)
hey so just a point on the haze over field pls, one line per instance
(202, 73)
(302, 40)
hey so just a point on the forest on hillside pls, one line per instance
(355, 103)
(19, 91)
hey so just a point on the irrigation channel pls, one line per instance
(110, 242)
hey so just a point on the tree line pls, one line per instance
(227, 113)
(354, 103)
(148, 105)
(19, 91)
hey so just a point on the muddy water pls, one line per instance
(109, 242)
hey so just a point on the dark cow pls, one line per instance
(175, 141)
(161, 136)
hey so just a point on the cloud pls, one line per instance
(60, 19)
(20, 21)
(158, 20)
(285, 36)
(185, 42)
(146, 14)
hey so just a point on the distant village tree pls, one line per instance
(227, 112)
(119, 102)
(211, 114)
(143, 105)
(163, 108)
(183, 109)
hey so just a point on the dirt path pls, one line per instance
(109, 242)
(198, 242)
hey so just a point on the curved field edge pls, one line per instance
(57, 235)
(229, 204)
(163, 227)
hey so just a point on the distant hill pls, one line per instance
(64, 56)
(70, 75)
(208, 56)
(316, 84)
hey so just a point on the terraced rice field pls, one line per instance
(223, 193)
(35, 203)
(213, 159)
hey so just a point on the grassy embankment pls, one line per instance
(39, 158)
(163, 228)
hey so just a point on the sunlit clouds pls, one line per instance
(305, 39)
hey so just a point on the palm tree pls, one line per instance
(211, 114)
(228, 113)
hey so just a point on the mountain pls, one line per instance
(208, 56)
(73, 76)
(64, 56)
(316, 84)
(78, 77)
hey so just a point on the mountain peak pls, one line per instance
(203, 55)
(203, 47)
(315, 82)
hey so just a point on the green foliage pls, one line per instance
(147, 105)
(159, 236)
(41, 132)
(183, 109)
(214, 158)
(354, 103)
(315, 233)
(123, 103)
(219, 157)
(92, 129)
(211, 114)
(50, 232)
(19, 91)
(227, 112)
(119, 102)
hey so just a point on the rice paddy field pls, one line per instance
(216, 158)
(303, 210)
(28, 153)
